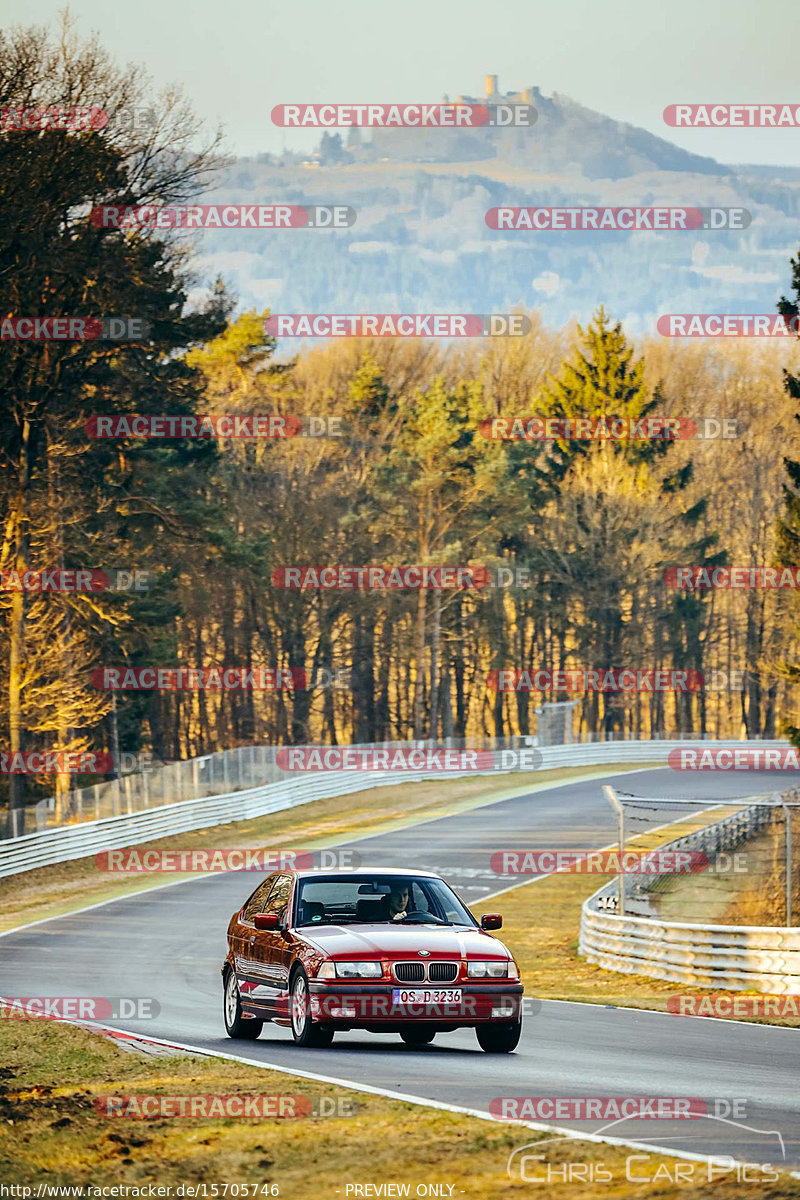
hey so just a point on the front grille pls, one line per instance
(417, 972)
(409, 972)
(442, 972)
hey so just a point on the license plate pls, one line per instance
(426, 995)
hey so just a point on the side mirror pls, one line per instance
(489, 921)
(265, 921)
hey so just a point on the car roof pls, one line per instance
(356, 872)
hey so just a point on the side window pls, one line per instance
(256, 902)
(417, 899)
(279, 897)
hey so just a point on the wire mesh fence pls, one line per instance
(247, 767)
(193, 779)
(731, 862)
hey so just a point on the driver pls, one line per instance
(398, 902)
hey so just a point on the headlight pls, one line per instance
(359, 970)
(487, 970)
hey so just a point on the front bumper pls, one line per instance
(369, 1005)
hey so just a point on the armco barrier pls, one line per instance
(90, 837)
(763, 959)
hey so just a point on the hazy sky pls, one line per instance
(625, 58)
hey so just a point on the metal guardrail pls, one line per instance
(68, 842)
(152, 785)
(764, 959)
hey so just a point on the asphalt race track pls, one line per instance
(169, 943)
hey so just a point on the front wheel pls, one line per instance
(497, 1038)
(305, 1031)
(237, 1026)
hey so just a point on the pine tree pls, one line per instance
(788, 540)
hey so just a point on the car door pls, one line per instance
(243, 935)
(270, 953)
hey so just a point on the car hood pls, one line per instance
(398, 941)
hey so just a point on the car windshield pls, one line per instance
(378, 899)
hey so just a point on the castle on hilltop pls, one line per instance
(431, 145)
(530, 95)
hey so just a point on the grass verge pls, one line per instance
(50, 1132)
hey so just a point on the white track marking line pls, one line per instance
(403, 1097)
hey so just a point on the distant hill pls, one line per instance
(420, 242)
(566, 137)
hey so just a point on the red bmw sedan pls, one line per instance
(381, 950)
